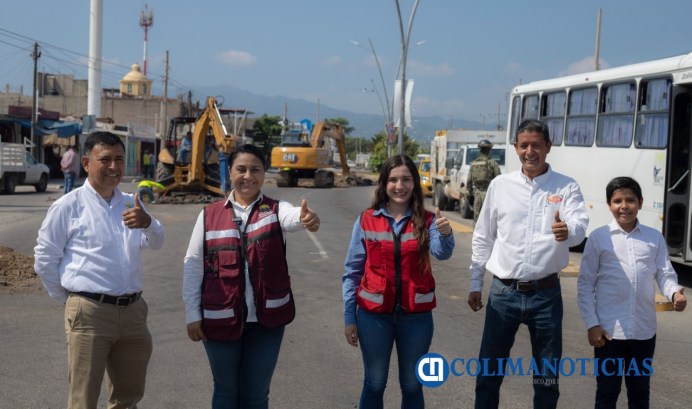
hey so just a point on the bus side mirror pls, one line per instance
(450, 163)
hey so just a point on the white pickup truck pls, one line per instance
(452, 152)
(18, 167)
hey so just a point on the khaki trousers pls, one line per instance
(102, 338)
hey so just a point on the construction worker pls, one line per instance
(483, 169)
(146, 189)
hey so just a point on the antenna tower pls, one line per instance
(146, 20)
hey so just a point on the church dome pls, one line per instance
(135, 75)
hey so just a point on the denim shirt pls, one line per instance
(441, 247)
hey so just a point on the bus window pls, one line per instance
(616, 119)
(516, 117)
(553, 115)
(581, 116)
(652, 119)
(530, 108)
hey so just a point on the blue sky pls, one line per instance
(473, 52)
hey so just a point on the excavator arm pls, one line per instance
(334, 131)
(210, 118)
(204, 172)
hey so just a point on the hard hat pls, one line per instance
(485, 144)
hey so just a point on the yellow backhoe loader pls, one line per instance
(194, 157)
(299, 158)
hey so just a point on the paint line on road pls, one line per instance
(461, 228)
(322, 252)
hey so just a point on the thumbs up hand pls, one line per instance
(560, 229)
(308, 217)
(442, 224)
(136, 217)
(679, 300)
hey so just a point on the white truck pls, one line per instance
(452, 152)
(18, 167)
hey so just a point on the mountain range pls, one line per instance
(365, 125)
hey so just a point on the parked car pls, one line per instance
(18, 167)
(424, 171)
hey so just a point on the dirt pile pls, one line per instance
(17, 275)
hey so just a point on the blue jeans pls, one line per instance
(69, 181)
(608, 387)
(507, 308)
(377, 334)
(243, 369)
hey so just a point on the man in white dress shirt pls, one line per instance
(616, 296)
(529, 220)
(89, 257)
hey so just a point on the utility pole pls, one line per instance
(164, 114)
(318, 109)
(35, 151)
(598, 41)
(405, 37)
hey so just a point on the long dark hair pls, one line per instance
(417, 205)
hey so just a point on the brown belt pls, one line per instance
(118, 301)
(544, 283)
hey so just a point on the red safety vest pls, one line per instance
(393, 272)
(226, 249)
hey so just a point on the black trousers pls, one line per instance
(631, 359)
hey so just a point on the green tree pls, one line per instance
(379, 151)
(343, 122)
(356, 144)
(265, 128)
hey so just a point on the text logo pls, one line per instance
(432, 370)
(290, 157)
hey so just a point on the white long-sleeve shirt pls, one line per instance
(83, 245)
(513, 236)
(193, 267)
(616, 280)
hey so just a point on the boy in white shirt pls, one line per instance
(621, 261)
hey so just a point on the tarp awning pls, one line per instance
(47, 127)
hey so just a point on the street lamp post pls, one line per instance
(379, 98)
(379, 70)
(405, 37)
(390, 111)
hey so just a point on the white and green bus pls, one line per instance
(634, 120)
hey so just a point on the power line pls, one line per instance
(70, 54)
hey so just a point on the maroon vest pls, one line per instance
(393, 271)
(226, 250)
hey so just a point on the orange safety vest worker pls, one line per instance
(394, 274)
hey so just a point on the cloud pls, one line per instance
(514, 69)
(443, 108)
(236, 58)
(430, 70)
(582, 66)
(331, 61)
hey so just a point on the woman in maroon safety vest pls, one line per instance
(388, 287)
(236, 285)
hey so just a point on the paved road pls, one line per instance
(316, 369)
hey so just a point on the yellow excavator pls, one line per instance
(194, 157)
(298, 157)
